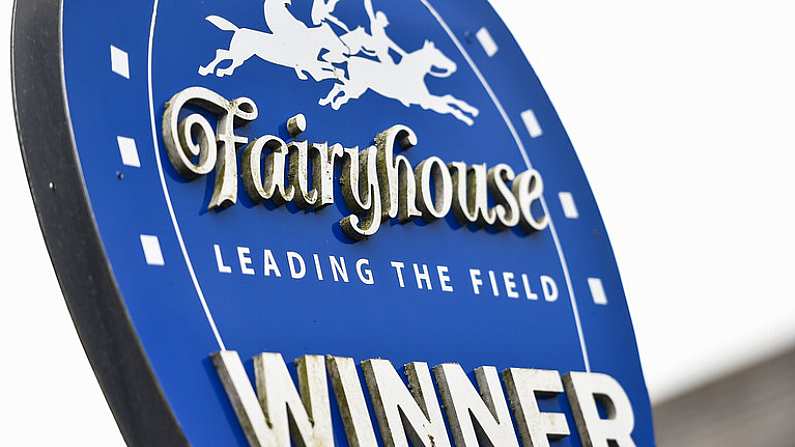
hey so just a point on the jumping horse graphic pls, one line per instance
(314, 51)
(403, 82)
(291, 44)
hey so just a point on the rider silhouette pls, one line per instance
(381, 44)
(322, 11)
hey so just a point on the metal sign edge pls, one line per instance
(70, 233)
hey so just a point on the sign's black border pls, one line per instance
(69, 229)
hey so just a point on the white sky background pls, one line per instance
(683, 114)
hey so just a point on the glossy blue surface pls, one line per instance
(295, 317)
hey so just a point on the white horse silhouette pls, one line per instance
(291, 44)
(404, 82)
(314, 51)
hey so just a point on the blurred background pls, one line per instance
(683, 115)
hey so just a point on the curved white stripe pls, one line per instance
(156, 144)
(523, 152)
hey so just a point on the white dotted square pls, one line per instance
(487, 42)
(120, 62)
(152, 252)
(129, 152)
(568, 205)
(531, 123)
(597, 291)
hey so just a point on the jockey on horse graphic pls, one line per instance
(290, 43)
(314, 51)
(381, 43)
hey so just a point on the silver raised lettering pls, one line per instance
(298, 175)
(378, 183)
(214, 150)
(523, 386)
(323, 161)
(265, 419)
(350, 399)
(404, 414)
(467, 408)
(584, 391)
(270, 186)
(470, 194)
(362, 194)
(433, 173)
(395, 174)
(528, 188)
(507, 209)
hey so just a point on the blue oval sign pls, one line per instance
(355, 185)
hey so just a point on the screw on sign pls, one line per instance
(381, 191)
